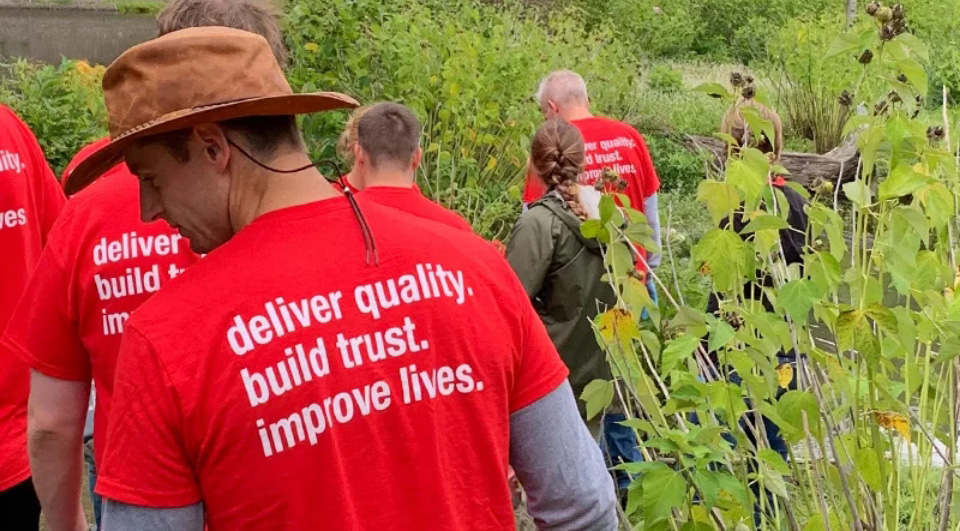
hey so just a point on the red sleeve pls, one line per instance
(650, 183)
(540, 368)
(50, 195)
(146, 461)
(42, 330)
(533, 187)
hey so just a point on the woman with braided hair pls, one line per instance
(561, 271)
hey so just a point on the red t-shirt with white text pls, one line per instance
(100, 264)
(411, 201)
(289, 384)
(30, 200)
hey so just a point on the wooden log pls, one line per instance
(808, 169)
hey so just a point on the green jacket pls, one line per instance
(561, 271)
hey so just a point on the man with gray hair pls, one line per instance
(609, 145)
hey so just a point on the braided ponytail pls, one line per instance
(557, 154)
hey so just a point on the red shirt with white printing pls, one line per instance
(101, 263)
(30, 200)
(289, 383)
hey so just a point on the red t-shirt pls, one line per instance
(410, 200)
(289, 384)
(101, 263)
(30, 200)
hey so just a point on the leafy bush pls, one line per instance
(662, 78)
(62, 104)
(468, 69)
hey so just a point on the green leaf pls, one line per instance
(792, 406)
(642, 235)
(774, 460)
(884, 318)
(765, 222)
(915, 74)
(676, 351)
(721, 198)
(597, 395)
(869, 468)
(845, 43)
(857, 192)
(715, 90)
(590, 228)
(619, 259)
(773, 482)
(721, 334)
(664, 489)
(745, 179)
(869, 142)
(797, 297)
(901, 181)
(607, 208)
(724, 256)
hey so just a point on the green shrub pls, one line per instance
(679, 168)
(139, 7)
(62, 104)
(665, 79)
(468, 69)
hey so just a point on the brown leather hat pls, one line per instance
(190, 77)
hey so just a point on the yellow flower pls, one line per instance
(311, 47)
(785, 375)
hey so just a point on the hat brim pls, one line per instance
(111, 154)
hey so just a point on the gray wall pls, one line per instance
(46, 34)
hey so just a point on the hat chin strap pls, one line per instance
(370, 244)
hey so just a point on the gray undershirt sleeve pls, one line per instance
(556, 460)
(118, 516)
(651, 209)
(560, 466)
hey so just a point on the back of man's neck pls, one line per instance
(579, 113)
(282, 191)
(391, 179)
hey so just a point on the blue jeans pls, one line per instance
(92, 475)
(619, 444)
(652, 290)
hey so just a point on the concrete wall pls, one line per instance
(48, 34)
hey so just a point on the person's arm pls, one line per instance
(530, 251)
(560, 466)
(651, 209)
(55, 415)
(119, 516)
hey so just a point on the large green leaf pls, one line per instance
(845, 43)
(715, 90)
(597, 395)
(765, 222)
(797, 297)
(792, 406)
(869, 468)
(857, 192)
(678, 350)
(663, 490)
(901, 181)
(725, 257)
(720, 197)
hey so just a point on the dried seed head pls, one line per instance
(894, 97)
(935, 133)
(621, 185)
(736, 79)
(880, 108)
(887, 33)
(872, 8)
(866, 57)
(898, 12)
(749, 79)
(845, 99)
(749, 92)
(902, 78)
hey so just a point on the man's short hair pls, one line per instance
(563, 87)
(254, 16)
(261, 136)
(389, 133)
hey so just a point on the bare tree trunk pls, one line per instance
(851, 12)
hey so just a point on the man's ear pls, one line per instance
(213, 145)
(417, 158)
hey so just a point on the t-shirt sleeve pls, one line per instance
(43, 330)
(146, 461)
(540, 369)
(50, 194)
(650, 182)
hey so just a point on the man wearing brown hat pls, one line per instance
(324, 340)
